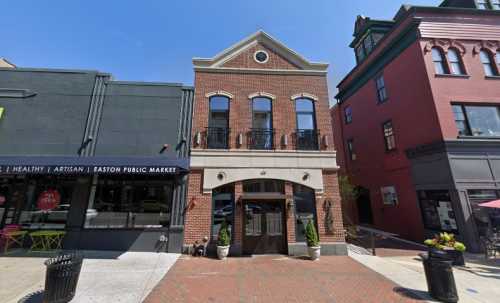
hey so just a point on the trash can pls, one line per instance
(439, 276)
(61, 277)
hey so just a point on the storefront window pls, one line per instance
(264, 186)
(487, 220)
(40, 202)
(305, 210)
(223, 209)
(130, 203)
(437, 210)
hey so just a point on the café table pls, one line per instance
(46, 239)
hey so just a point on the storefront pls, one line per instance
(98, 202)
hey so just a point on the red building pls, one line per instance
(417, 124)
(263, 159)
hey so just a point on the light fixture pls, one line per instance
(164, 148)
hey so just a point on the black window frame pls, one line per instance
(350, 149)
(469, 129)
(387, 137)
(381, 90)
(348, 115)
(225, 191)
(219, 130)
(262, 132)
(313, 132)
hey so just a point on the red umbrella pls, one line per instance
(491, 204)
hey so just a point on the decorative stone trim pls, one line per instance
(262, 94)
(304, 95)
(445, 45)
(492, 46)
(220, 93)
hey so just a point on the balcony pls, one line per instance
(261, 139)
(307, 139)
(217, 138)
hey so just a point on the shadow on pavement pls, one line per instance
(412, 293)
(35, 297)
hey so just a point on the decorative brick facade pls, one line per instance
(282, 77)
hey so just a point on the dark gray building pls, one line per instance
(105, 161)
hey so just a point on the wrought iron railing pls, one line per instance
(307, 139)
(217, 138)
(261, 138)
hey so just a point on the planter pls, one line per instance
(314, 252)
(455, 256)
(222, 252)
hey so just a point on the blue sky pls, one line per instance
(154, 40)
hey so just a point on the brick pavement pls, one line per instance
(275, 279)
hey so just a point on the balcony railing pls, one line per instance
(261, 138)
(307, 139)
(217, 138)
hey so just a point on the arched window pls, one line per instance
(218, 122)
(488, 64)
(307, 136)
(262, 123)
(456, 66)
(439, 62)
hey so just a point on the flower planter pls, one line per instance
(314, 252)
(455, 256)
(222, 252)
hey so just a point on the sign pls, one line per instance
(48, 199)
(2, 200)
(389, 195)
(87, 170)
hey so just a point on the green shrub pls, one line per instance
(311, 235)
(224, 238)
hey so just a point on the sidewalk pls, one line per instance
(125, 277)
(477, 282)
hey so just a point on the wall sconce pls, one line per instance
(284, 140)
(197, 138)
(84, 145)
(306, 176)
(289, 205)
(164, 148)
(240, 139)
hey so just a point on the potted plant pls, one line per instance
(223, 241)
(313, 247)
(447, 243)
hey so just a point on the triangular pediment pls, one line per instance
(241, 55)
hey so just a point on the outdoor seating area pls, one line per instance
(12, 236)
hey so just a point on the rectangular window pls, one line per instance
(350, 149)
(482, 4)
(376, 37)
(389, 195)
(437, 211)
(495, 4)
(381, 91)
(122, 202)
(368, 44)
(348, 115)
(461, 121)
(222, 209)
(389, 137)
(477, 120)
(360, 53)
(305, 210)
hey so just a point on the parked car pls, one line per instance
(58, 214)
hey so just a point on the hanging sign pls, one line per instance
(48, 199)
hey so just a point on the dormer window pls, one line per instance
(366, 45)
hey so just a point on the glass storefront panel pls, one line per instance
(223, 209)
(305, 210)
(437, 211)
(37, 202)
(487, 220)
(130, 203)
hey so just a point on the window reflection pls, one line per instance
(222, 210)
(305, 210)
(130, 203)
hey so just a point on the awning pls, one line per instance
(491, 204)
(75, 165)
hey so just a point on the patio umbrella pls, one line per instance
(491, 204)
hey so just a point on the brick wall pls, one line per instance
(332, 194)
(198, 210)
(246, 60)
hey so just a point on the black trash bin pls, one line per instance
(439, 276)
(62, 277)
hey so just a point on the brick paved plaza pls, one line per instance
(275, 279)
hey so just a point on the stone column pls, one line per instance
(289, 213)
(237, 246)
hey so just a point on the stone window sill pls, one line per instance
(452, 76)
(492, 77)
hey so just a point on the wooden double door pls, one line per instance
(264, 230)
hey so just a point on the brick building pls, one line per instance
(417, 121)
(262, 157)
